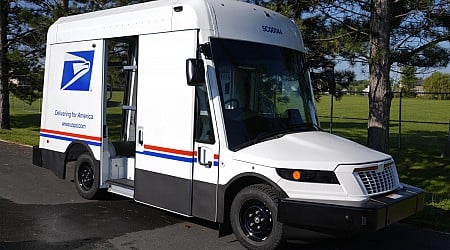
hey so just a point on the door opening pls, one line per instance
(120, 120)
(121, 94)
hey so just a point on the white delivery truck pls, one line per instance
(217, 121)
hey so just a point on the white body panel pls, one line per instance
(309, 150)
(212, 18)
(163, 92)
(68, 112)
(266, 26)
(145, 18)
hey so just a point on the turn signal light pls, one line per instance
(296, 175)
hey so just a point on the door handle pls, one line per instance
(141, 137)
(201, 158)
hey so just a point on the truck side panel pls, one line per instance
(72, 90)
(165, 112)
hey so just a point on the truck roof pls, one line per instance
(225, 18)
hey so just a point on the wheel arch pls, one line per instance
(56, 161)
(77, 148)
(229, 191)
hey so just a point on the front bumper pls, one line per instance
(351, 217)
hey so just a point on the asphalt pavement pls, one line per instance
(40, 211)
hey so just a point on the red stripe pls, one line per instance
(170, 150)
(216, 157)
(87, 137)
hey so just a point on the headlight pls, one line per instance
(315, 176)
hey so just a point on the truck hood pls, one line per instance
(308, 150)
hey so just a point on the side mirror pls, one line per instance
(195, 72)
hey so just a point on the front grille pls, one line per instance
(378, 179)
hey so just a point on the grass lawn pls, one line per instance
(424, 131)
(25, 122)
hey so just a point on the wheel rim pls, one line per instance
(256, 220)
(85, 177)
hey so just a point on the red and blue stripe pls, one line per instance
(149, 150)
(70, 137)
(174, 154)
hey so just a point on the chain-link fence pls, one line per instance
(18, 105)
(422, 121)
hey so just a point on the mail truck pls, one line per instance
(214, 118)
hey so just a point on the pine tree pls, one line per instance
(408, 80)
(4, 66)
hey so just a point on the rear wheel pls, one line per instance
(86, 177)
(253, 217)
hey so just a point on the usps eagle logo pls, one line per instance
(77, 70)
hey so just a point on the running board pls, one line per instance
(122, 187)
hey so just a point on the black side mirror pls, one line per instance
(195, 72)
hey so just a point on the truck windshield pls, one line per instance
(265, 91)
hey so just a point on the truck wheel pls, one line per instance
(253, 217)
(86, 177)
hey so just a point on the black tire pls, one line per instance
(87, 177)
(253, 217)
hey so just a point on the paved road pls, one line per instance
(40, 211)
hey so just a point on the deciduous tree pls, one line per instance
(438, 83)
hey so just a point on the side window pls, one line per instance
(203, 124)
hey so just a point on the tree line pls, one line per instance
(385, 35)
(437, 83)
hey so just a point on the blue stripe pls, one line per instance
(69, 139)
(173, 157)
(170, 157)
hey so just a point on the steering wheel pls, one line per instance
(233, 103)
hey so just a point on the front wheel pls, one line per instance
(253, 217)
(86, 177)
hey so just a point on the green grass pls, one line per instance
(25, 122)
(436, 213)
(418, 160)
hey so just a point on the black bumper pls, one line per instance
(352, 217)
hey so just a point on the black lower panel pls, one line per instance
(37, 156)
(51, 160)
(163, 191)
(204, 200)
